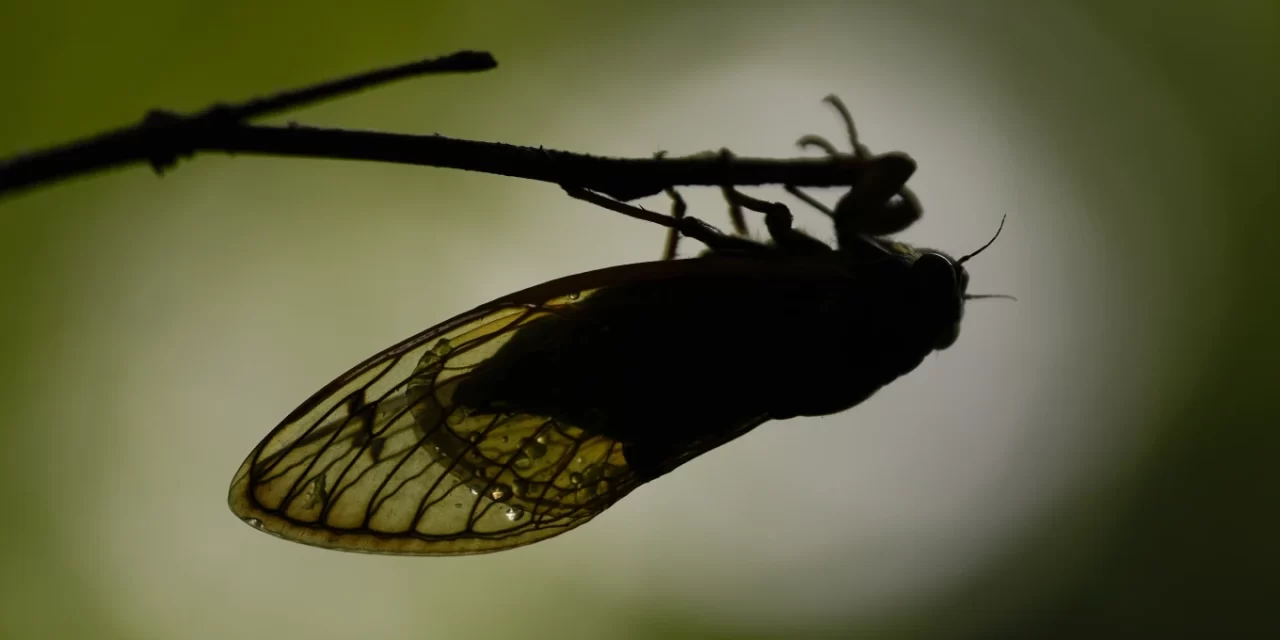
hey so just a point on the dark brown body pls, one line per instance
(674, 366)
(530, 415)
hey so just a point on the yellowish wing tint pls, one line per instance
(384, 461)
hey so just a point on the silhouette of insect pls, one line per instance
(530, 415)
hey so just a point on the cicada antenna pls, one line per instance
(963, 259)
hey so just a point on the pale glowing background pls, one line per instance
(158, 328)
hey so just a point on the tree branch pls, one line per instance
(163, 137)
(621, 178)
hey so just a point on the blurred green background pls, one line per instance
(1096, 460)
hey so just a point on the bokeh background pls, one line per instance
(1098, 459)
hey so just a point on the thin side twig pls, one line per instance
(157, 139)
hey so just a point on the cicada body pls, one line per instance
(530, 415)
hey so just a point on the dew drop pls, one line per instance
(575, 478)
(499, 492)
(523, 461)
(314, 494)
(535, 449)
(515, 513)
(255, 523)
(575, 295)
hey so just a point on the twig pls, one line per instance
(163, 137)
(157, 139)
(621, 178)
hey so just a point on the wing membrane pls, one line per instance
(383, 460)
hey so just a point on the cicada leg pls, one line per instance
(678, 211)
(679, 208)
(777, 219)
(736, 218)
(877, 205)
(685, 225)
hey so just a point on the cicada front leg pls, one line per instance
(879, 204)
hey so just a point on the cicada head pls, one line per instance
(940, 284)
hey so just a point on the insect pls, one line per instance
(530, 415)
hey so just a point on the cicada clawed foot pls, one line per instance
(879, 203)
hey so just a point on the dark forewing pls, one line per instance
(384, 460)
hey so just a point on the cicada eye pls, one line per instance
(940, 284)
(937, 273)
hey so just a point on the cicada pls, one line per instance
(530, 415)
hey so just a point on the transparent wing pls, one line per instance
(383, 460)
